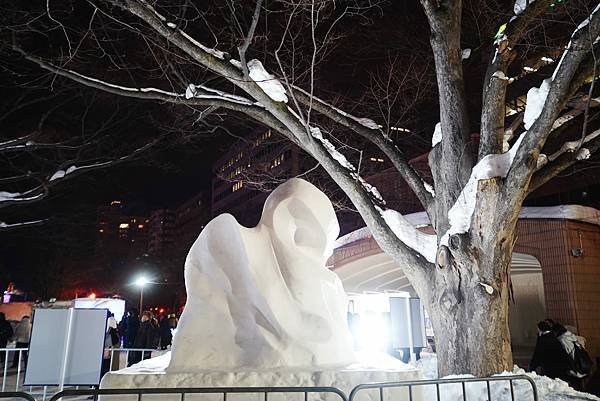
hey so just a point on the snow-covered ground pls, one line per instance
(548, 389)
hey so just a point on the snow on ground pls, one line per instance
(548, 389)
(267, 82)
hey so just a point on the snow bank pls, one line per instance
(548, 389)
(267, 82)
(536, 98)
(491, 166)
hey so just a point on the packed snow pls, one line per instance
(262, 298)
(491, 166)
(437, 135)
(548, 389)
(369, 368)
(536, 98)
(425, 244)
(267, 82)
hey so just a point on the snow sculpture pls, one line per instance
(261, 298)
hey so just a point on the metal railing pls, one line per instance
(16, 395)
(9, 355)
(12, 377)
(410, 387)
(181, 393)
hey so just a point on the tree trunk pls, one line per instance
(469, 305)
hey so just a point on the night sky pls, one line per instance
(180, 164)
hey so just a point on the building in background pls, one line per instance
(246, 174)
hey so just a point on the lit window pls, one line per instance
(101, 230)
(115, 202)
(124, 225)
(277, 161)
(237, 186)
(140, 226)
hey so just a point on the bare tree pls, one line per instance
(462, 273)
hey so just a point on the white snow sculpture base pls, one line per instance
(370, 368)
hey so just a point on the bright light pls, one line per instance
(92, 295)
(141, 281)
(371, 327)
(123, 225)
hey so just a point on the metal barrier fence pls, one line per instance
(12, 377)
(183, 392)
(462, 382)
(16, 395)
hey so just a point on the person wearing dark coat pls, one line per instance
(166, 337)
(148, 336)
(549, 357)
(6, 333)
(130, 326)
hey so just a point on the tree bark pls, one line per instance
(470, 323)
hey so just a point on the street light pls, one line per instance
(141, 282)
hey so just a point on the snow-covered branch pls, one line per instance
(371, 131)
(15, 226)
(494, 94)
(553, 94)
(67, 170)
(570, 153)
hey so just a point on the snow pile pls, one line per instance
(521, 5)
(465, 54)
(425, 244)
(536, 98)
(437, 135)
(267, 82)
(491, 166)
(548, 389)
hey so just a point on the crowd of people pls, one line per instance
(559, 353)
(20, 335)
(146, 331)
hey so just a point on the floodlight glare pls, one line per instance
(142, 281)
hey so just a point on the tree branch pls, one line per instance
(494, 92)
(369, 130)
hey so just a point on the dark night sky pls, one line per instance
(180, 167)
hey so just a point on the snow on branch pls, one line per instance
(11, 226)
(491, 166)
(267, 82)
(365, 122)
(371, 131)
(209, 97)
(569, 47)
(425, 244)
(341, 159)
